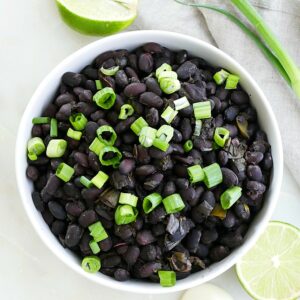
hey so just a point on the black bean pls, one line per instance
(145, 237)
(37, 201)
(153, 181)
(64, 112)
(90, 131)
(121, 275)
(223, 158)
(189, 195)
(148, 269)
(111, 261)
(193, 239)
(209, 236)
(47, 216)
(242, 211)
(186, 129)
(182, 183)
(181, 56)
(193, 92)
(90, 194)
(267, 162)
(229, 177)
(186, 70)
(254, 173)
(36, 131)
(254, 158)
(133, 77)
(90, 72)
(73, 235)
(152, 48)
(152, 117)
(64, 99)
(256, 186)
(72, 79)
(87, 218)
(230, 220)
(146, 62)
(231, 113)
(169, 189)
(153, 86)
(75, 208)
(124, 231)
(131, 255)
(58, 227)
(239, 97)
(151, 100)
(124, 125)
(219, 252)
(57, 210)
(159, 154)
(121, 79)
(148, 253)
(158, 229)
(134, 89)
(32, 173)
(126, 166)
(231, 239)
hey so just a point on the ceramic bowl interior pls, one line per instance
(130, 40)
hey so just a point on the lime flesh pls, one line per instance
(271, 269)
(98, 17)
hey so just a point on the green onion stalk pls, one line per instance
(264, 39)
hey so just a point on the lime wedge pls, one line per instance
(271, 269)
(98, 17)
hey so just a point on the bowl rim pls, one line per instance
(141, 287)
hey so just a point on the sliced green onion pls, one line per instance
(114, 160)
(161, 144)
(64, 172)
(41, 120)
(96, 146)
(221, 76)
(181, 103)
(213, 175)
(53, 128)
(98, 84)
(173, 203)
(56, 148)
(35, 147)
(170, 85)
(99, 179)
(167, 74)
(138, 124)
(167, 278)
(127, 198)
(73, 134)
(202, 110)
(111, 71)
(125, 214)
(126, 111)
(230, 196)
(221, 135)
(105, 98)
(94, 247)
(165, 133)
(91, 264)
(232, 82)
(147, 136)
(188, 146)
(163, 68)
(151, 201)
(85, 182)
(196, 173)
(78, 121)
(198, 127)
(106, 135)
(98, 232)
(169, 114)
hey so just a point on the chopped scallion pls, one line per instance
(99, 179)
(53, 128)
(35, 147)
(40, 120)
(94, 247)
(202, 110)
(85, 182)
(213, 175)
(173, 203)
(232, 82)
(198, 127)
(78, 121)
(165, 133)
(110, 156)
(73, 134)
(196, 173)
(91, 264)
(167, 278)
(96, 146)
(221, 76)
(181, 103)
(125, 214)
(138, 124)
(111, 71)
(230, 196)
(127, 198)
(106, 135)
(169, 114)
(161, 144)
(188, 146)
(170, 85)
(126, 111)
(167, 74)
(105, 98)
(64, 172)
(147, 136)
(98, 232)
(56, 148)
(221, 135)
(163, 68)
(98, 84)
(151, 201)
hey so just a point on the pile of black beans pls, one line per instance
(185, 242)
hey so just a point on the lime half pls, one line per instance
(271, 269)
(98, 17)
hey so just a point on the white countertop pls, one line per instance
(33, 40)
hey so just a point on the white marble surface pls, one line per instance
(33, 40)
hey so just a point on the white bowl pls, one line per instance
(131, 40)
